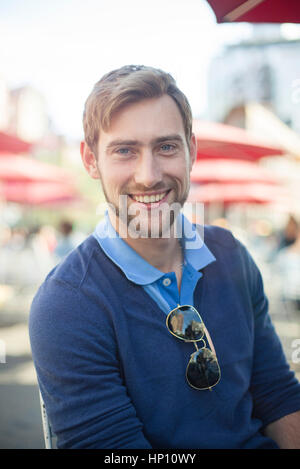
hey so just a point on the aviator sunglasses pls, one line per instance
(203, 371)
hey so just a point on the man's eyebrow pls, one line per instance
(116, 143)
(164, 138)
(173, 137)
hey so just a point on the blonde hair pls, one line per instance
(126, 85)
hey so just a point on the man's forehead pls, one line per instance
(146, 119)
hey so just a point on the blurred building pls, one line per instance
(255, 84)
(23, 112)
(28, 114)
(263, 69)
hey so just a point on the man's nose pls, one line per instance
(148, 171)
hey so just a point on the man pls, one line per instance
(115, 326)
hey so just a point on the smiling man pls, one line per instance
(143, 160)
(146, 336)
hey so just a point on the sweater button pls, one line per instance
(166, 282)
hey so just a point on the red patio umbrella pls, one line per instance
(216, 140)
(12, 144)
(38, 193)
(256, 11)
(239, 193)
(28, 181)
(230, 171)
(18, 168)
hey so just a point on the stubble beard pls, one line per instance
(137, 222)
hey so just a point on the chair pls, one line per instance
(48, 435)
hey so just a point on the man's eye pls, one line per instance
(167, 147)
(123, 151)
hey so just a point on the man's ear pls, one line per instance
(89, 160)
(193, 150)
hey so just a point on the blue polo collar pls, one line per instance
(137, 269)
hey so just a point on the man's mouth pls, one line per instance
(149, 198)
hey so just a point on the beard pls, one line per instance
(136, 221)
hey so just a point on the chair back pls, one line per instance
(46, 425)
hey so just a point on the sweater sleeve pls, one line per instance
(274, 387)
(76, 361)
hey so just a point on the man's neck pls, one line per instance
(165, 254)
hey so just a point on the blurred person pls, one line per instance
(288, 267)
(5, 235)
(289, 234)
(37, 257)
(65, 243)
(17, 240)
(112, 368)
(12, 255)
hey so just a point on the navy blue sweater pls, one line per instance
(112, 376)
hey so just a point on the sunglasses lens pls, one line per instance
(186, 323)
(203, 370)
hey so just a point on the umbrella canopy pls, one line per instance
(28, 181)
(216, 140)
(17, 168)
(239, 193)
(256, 11)
(38, 193)
(12, 144)
(230, 171)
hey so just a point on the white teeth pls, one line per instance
(146, 199)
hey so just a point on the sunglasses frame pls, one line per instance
(206, 335)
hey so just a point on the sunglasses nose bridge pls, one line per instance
(198, 342)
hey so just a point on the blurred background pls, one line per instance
(243, 82)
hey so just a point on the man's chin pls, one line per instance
(151, 224)
(137, 220)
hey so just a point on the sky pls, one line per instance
(63, 47)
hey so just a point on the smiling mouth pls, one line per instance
(149, 198)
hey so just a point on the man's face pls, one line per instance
(144, 157)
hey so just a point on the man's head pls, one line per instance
(127, 85)
(139, 143)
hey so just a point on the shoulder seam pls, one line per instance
(87, 266)
(63, 283)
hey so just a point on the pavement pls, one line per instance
(20, 425)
